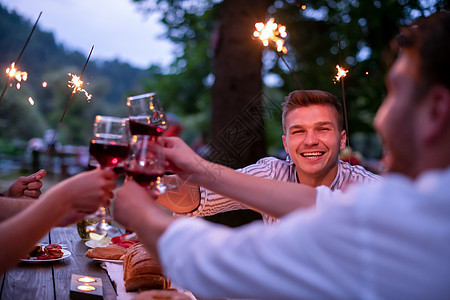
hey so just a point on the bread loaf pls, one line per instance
(141, 271)
(146, 282)
(113, 252)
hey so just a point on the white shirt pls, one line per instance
(386, 240)
(282, 170)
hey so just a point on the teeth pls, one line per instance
(312, 154)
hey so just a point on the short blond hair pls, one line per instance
(304, 98)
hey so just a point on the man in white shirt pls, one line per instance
(386, 240)
(313, 136)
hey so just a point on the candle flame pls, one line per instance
(44, 84)
(86, 279)
(12, 72)
(341, 72)
(76, 84)
(31, 100)
(271, 33)
(86, 288)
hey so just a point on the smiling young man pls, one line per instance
(385, 240)
(313, 136)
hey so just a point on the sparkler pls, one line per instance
(272, 34)
(18, 60)
(75, 83)
(12, 72)
(341, 73)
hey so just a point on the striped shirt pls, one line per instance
(277, 169)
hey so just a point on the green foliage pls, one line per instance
(19, 119)
(45, 60)
(352, 33)
(186, 90)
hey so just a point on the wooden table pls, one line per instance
(51, 280)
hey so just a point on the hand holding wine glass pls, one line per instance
(145, 163)
(147, 117)
(109, 146)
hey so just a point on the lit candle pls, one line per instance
(86, 279)
(86, 288)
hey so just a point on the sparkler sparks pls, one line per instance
(19, 57)
(341, 73)
(12, 72)
(271, 33)
(75, 83)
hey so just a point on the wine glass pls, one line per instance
(147, 117)
(145, 162)
(109, 146)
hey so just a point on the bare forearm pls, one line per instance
(272, 197)
(151, 223)
(27, 228)
(275, 198)
(12, 206)
(135, 209)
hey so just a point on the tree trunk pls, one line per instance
(237, 105)
(237, 112)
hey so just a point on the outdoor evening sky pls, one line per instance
(116, 28)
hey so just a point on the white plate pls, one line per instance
(34, 259)
(95, 244)
(116, 261)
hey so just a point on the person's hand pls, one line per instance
(135, 209)
(181, 159)
(27, 186)
(131, 202)
(87, 191)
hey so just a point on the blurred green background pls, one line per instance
(321, 34)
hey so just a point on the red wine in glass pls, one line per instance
(108, 154)
(147, 119)
(140, 125)
(144, 177)
(109, 147)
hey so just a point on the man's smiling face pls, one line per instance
(313, 140)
